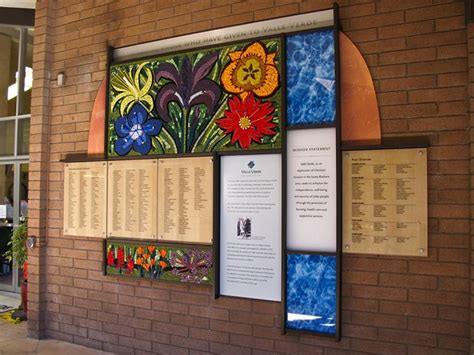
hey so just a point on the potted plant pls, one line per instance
(17, 251)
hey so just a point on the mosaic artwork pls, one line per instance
(160, 262)
(311, 293)
(219, 99)
(310, 76)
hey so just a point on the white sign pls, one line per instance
(251, 226)
(229, 34)
(312, 190)
(3, 211)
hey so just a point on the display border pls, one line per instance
(337, 125)
(217, 165)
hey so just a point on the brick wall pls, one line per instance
(418, 54)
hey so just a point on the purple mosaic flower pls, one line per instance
(188, 86)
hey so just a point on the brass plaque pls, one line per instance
(185, 199)
(385, 202)
(85, 194)
(132, 194)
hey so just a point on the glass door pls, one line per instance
(16, 79)
(13, 209)
(7, 178)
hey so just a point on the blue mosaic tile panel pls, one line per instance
(311, 81)
(311, 293)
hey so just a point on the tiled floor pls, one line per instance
(13, 338)
(10, 299)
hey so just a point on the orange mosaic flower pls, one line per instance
(163, 264)
(251, 70)
(151, 249)
(146, 256)
(140, 250)
(146, 266)
(163, 253)
(139, 261)
(153, 262)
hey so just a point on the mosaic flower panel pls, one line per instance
(311, 293)
(160, 262)
(310, 76)
(220, 99)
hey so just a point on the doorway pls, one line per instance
(16, 78)
(13, 210)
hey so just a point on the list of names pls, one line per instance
(385, 202)
(84, 199)
(185, 199)
(132, 199)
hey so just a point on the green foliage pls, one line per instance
(17, 245)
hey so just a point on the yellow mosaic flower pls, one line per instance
(251, 70)
(132, 86)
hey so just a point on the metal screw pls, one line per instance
(422, 250)
(346, 155)
(347, 246)
(420, 152)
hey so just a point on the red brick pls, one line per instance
(437, 326)
(418, 57)
(377, 347)
(436, 95)
(439, 297)
(409, 309)
(407, 337)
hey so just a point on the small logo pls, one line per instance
(251, 164)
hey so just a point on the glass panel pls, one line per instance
(311, 83)
(9, 45)
(7, 137)
(24, 169)
(311, 293)
(23, 136)
(26, 100)
(6, 221)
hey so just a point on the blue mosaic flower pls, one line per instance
(135, 131)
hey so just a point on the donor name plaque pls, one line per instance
(385, 202)
(85, 194)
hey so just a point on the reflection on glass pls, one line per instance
(23, 136)
(24, 169)
(9, 45)
(26, 99)
(6, 220)
(7, 137)
(311, 293)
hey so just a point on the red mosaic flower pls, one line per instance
(120, 258)
(110, 257)
(130, 265)
(248, 120)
